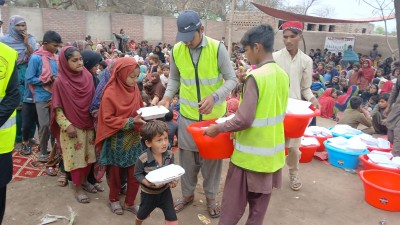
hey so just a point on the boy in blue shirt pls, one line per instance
(328, 76)
(39, 76)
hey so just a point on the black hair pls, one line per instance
(357, 65)
(355, 102)
(52, 36)
(169, 116)
(380, 55)
(70, 52)
(121, 30)
(262, 34)
(374, 98)
(153, 128)
(384, 97)
(165, 66)
(103, 64)
(102, 51)
(316, 77)
(155, 49)
(339, 53)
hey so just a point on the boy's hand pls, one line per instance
(173, 184)
(147, 183)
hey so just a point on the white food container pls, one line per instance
(165, 174)
(153, 112)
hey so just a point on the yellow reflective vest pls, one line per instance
(8, 57)
(199, 81)
(260, 148)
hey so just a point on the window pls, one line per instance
(364, 30)
(322, 28)
(331, 28)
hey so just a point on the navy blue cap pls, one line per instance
(188, 23)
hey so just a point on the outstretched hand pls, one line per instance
(212, 130)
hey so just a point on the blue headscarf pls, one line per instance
(100, 88)
(15, 40)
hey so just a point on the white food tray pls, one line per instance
(165, 174)
(153, 112)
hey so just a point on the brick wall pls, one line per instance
(71, 25)
(4, 16)
(132, 24)
(169, 30)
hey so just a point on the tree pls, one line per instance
(385, 8)
(379, 30)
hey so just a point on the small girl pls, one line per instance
(327, 102)
(118, 131)
(71, 123)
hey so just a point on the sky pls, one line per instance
(349, 9)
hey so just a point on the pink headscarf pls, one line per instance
(73, 93)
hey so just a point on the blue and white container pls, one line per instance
(343, 158)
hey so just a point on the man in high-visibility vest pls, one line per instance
(198, 68)
(9, 100)
(259, 145)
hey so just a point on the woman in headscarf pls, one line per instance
(342, 102)
(71, 122)
(368, 74)
(154, 88)
(327, 102)
(373, 90)
(158, 51)
(118, 131)
(17, 37)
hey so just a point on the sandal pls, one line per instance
(181, 204)
(294, 182)
(214, 210)
(51, 171)
(82, 198)
(116, 208)
(62, 180)
(98, 187)
(133, 209)
(88, 187)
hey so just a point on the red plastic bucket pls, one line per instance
(372, 166)
(321, 140)
(379, 149)
(296, 124)
(307, 153)
(382, 189)
(219, 147)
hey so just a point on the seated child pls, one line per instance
(335, 83)
(357, 115)
(317, 87)
(373, 100)
(175, 105)
(378, 117)
(172, 127)
(155, 136)
(165, 76)
(327, 102)
(328, 76)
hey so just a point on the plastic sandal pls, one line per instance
(180, 204)
(216, 208)
(116, 208)
(51, 171)
(295, 183)
(82, 198)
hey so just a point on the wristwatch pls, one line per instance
(215, 96)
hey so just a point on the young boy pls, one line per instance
(155, 136)
(39, 76)
(378, 117)
(357, 115)
(317, 87)
(328, 76)
(172, 127)
(165, 76)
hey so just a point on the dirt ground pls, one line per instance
(330, 196)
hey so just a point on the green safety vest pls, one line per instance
(199, 81)
(260, 148)
(8, 57)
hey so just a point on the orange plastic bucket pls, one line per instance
(321, 140)
(382, 189)
(379, 149)
(219, 147)
(296, 124)
(372, 166)
(307, 153)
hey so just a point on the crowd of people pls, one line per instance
(83, 99)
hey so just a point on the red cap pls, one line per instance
(296, 25)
